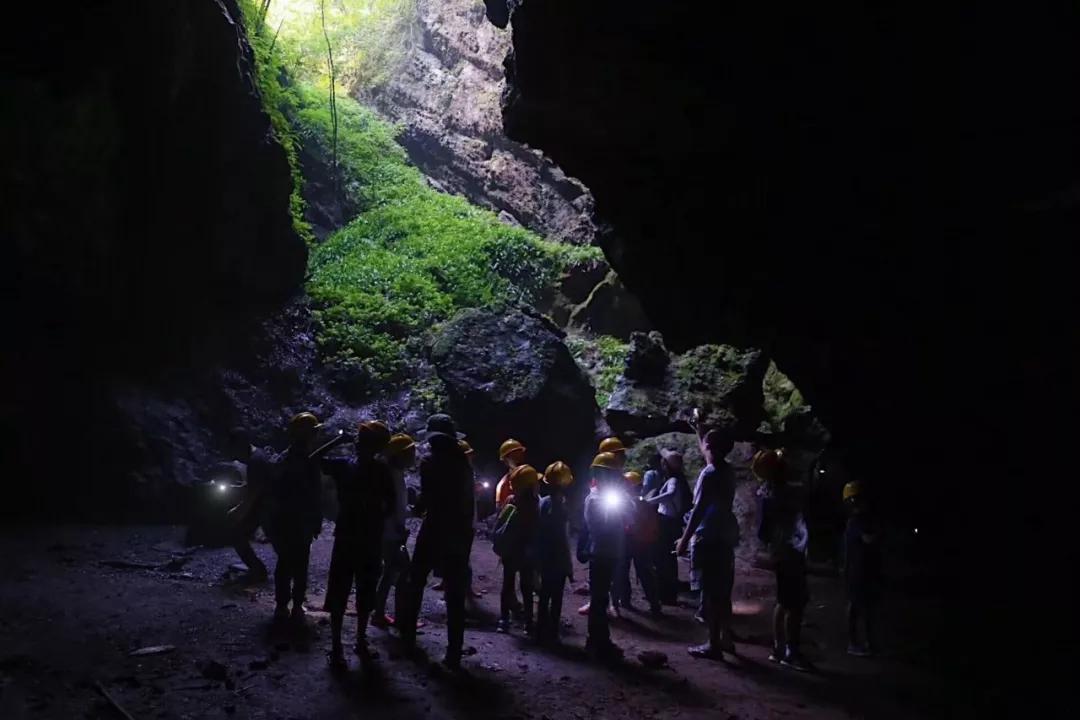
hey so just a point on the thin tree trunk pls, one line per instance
(273, 40)
(264, 8)
(333, 99)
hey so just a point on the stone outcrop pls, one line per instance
(446, 95)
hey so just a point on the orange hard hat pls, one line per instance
(633, 477)
(612, 445)
(374, 431)
(303, 425)
(607, 461)
(465, 447)
(524, 477)
(400, 443)
(558, 474)
(768, 465)
(510, 446)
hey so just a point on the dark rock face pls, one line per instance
(447, 96)
(510, 375)
(865, 194)
(146, 204)
(656, 397)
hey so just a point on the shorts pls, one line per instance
(351, 565)
(792, 592)
(712, 569)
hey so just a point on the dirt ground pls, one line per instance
(77, 601)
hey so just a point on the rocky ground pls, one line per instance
(94, 619)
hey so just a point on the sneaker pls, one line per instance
(700, 620)
(364, 652)
(776, 656)
(857, 650)
(281, 613)
(503, 626)
(584, 609)
(705, 652)
(796, 661)
(439, 586)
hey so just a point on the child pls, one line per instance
(601, 544)
(553, 552)
(399, 455)
(784, 529)
(862, 564)
(515, 543)
(642, 535)
(366, 499)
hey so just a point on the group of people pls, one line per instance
(630, 522)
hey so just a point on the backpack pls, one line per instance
(505, 539)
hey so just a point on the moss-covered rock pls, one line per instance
(610, 309)
(653, 397)
(508, 374)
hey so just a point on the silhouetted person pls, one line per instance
(516, 544)
(553, 552)
(784, 527)
(602, 544)
(295, 516)
(400, 455)
(365, 494)
(715, 533)
(246, 517)
(642, 534)
(672, 501)
(862, 569)
(445, 537)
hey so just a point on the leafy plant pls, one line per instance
(603, 358)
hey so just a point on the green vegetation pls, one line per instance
(412, 256)
(603, 358)
(782, 398)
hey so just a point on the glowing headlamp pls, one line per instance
(612, 499)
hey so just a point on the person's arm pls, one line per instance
(341, 439)
(696, 515)
(665, 492)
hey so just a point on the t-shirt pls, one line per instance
(716, 492)
(394, 528)
(783, 523)
(503, 491)
(365, 493)
(552, 544)
(447, 495)
(652, 482)
(862, 559)
(296, 494)
(606, 526)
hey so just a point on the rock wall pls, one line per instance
(872, 197)
(146, 204)
(447, 96)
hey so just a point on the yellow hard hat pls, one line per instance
(558, 474)
(303, 425)
(465, 447)
(606, 460)
(374, 431)
(852, 489)
(400, 443)
(633, 477)
(508, 447)
(612, 445)
(524, 477)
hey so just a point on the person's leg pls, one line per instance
(601, 571)
(391, 570)
(300, 578)
(647, 577)
(506, 597)
(793, 628)
(401, 584)
(416, 579)
(338, 585)
(281, 577)
(669, 592)
(620, 585)
(719, 604)
(852, 625)
(555, 612)
(543, 608)
(455, 578)
(527, 578)
(779, 639)
(242, 544)
(367, 579)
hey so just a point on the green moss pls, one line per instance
(782, 398)
(603, 358)
(277, 99)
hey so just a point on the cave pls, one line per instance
(841, 231)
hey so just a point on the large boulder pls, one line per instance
(610, 309)
(652, 397)
(511, 375)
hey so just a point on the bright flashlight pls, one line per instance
(916, 531)
(612, 499)
(222, 487)
(485, 485)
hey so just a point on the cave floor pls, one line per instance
(77, 600)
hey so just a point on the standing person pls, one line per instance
(366, 501)
(445, 537)
(715, 533)
(654, 479)
(246, 517)
(642, 534)
(784, 528)
(515, 542)
(512, 453)
(399, 456)
(862, 569)
(553, 552)
(673, 501)
(295, 516)
(611, 446)
(601, 544)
